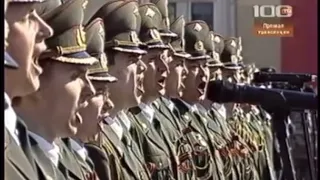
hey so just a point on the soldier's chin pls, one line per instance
(73, 130)
(162, 92)
(202, 97)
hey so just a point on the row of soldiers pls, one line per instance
(111, 90)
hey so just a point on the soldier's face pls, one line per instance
(127, 91)
(26, 42)
(178, 73)
(98, 108)
(65, 88)
(196, 81)
(215, 73)
(157, 70)
(231, 75)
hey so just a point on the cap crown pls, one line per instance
(66, 21)
(196, 33)
(95, 45)
(121, 19)
(47, 6)
(162, 5)
(177, 27)
(150, 23)
(229, 53)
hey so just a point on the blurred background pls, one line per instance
(235, 18)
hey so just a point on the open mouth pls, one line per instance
(201, 87)
(36, 66)
(182, 86)
(78, 118)
(106, 109)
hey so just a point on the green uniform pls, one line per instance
(68, 46)
(174, 130)
(117, 157)
(155, 151)
(19, 165)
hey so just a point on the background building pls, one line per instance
(235, 18)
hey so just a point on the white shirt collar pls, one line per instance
(51, 150)
(148, 111)
(194, 108)
(125, 119)
(221, 109)
(10, 119)
(117, 128)
(80, 150)
(255, 110)
(169, 104)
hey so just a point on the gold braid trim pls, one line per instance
(82, 61)
(71, 49)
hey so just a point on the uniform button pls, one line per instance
(160, 164)
(16, 132)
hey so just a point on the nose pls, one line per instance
(204, 73)
(163, 65)
(88, 90)
(108, 105)
(141, 67)
(45, 31)
(185, 70)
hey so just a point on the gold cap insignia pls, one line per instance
(81, 36)
(155, 34)
(216, 56)
(234, 59)
(217, 39)
(167, 22)
(135, 11)
(199, 46)
(150, 13)
(134, 37)
(104, 61)
(233, 44)
(84, 5)
(101, 31)
(197, 27)
(240, 41)
(212, 36)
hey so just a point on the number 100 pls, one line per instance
(274, 11)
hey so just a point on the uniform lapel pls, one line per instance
(129, 157)
(165, 111)
(17, 158)
(113, 138)
(121, 146)
(69, 162)
(48, 170)
(83, 163)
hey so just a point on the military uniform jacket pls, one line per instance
(17, 165)
(105, 158)
(87, 166)
(174, 131)
(155, 151)
(228, 159)
(172, 138)
(68, 164)
(44, 165)
(128, 155)
(207, 166)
